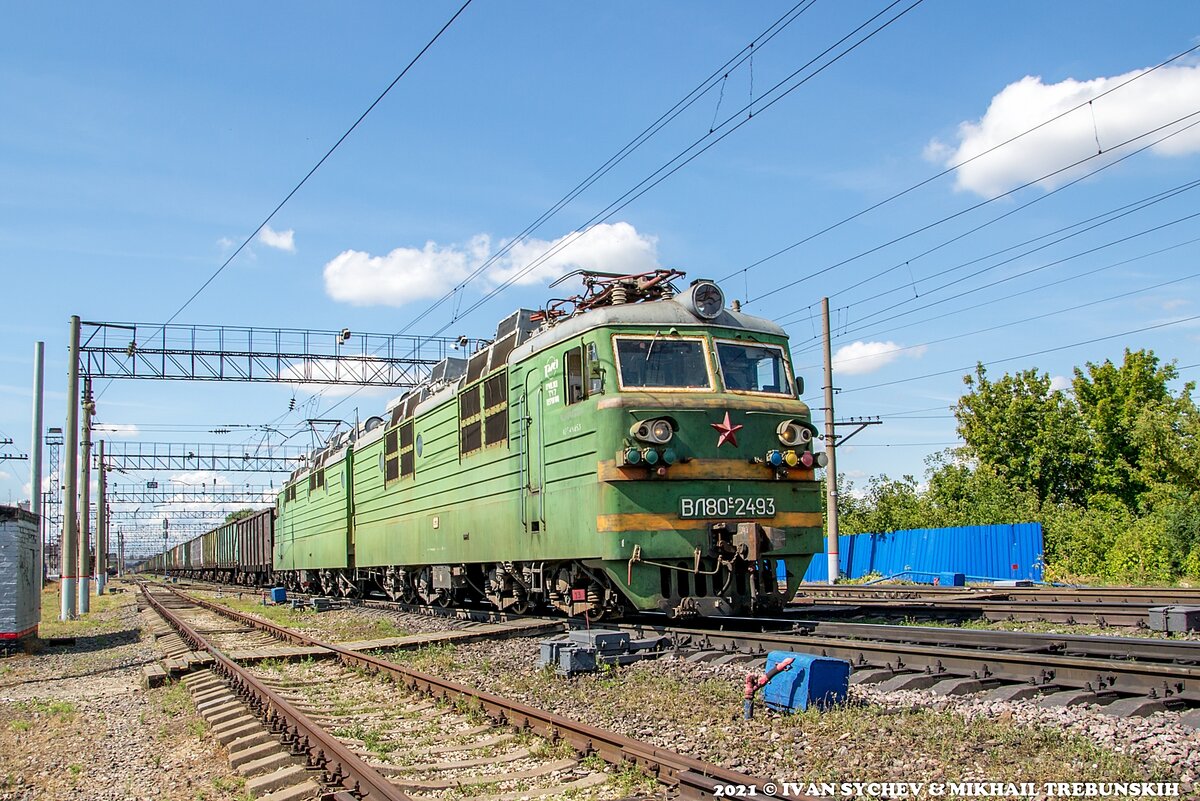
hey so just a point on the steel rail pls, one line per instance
(1141, 649)
(340, 766)
(1108, 595)
(690, 777)
(1111, 614)
(1045, 671)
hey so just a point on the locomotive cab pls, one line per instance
(707, 482)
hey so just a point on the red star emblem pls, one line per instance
(727, 431)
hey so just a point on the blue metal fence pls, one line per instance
(979, 552)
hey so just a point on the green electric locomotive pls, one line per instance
(632, 447)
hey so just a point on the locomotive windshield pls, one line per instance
(654, 362)
(749, 367)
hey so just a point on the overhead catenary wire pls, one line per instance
(1095, 221)
(296, 188)
(714, 79)
(1022, 274)
(957, 165)
(683, 158)
(1002, 298)
(954, 337)
(963, 211)
(908, 262)
(1030, 354)
(321, 161)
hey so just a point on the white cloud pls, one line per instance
(1175, 303)
(1060, 382)
(410, 274)
(611, 248)
(859, 358)
(6, 476)
(201, 477)
(225, 243)
(117, 429)
(280, 240)
(1152, 101)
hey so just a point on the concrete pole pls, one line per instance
(85, 502)
(831, 498)
(101, 526)
(35, 464)
(120, 553)
(68, 570)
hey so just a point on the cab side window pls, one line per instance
(573, 372)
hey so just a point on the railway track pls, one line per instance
(1099, 607)
(1124, 607)
(1102, 615)
(1126, 675)
(1040, 594)
(368, 728)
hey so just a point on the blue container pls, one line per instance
(817, 680)
(278, 595)
(951, 580)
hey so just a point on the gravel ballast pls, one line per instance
(76, 724)
(695, 708)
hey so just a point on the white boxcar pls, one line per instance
(20, 584)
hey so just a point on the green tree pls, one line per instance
(888, 505)
(1111, 402)
(965, 494)
(1026, 433)
(239, 514)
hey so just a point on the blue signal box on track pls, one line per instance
(811, 680)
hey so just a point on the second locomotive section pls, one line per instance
(651, 455)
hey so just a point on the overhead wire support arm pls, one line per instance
(11, 457)
(859, 422)
(278, 355)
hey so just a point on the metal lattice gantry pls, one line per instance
(174, 493)
(131, 516)
(234, 353)
(265, 458)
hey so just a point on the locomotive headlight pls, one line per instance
(706, 299)
(792, 434)
(656, 432)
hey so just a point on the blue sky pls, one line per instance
(138, 141)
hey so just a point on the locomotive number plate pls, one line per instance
(726, 507)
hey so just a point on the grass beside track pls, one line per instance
(335, 625)
(75, 724)
(689, 709)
